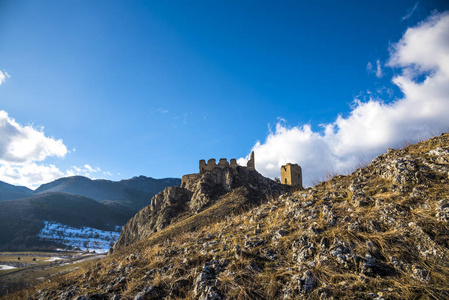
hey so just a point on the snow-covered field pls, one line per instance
(85, 238)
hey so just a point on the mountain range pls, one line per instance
(74, 201)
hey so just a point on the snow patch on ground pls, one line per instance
(53, 258)
(5, 267)
(85, 238)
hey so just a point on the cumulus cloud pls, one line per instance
(21, 147)
(90, 169)
(24, 144)
(30, 174)
(3, 76)
(86, 170)
(23, 151)
(422, 59)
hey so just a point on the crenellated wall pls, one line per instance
(223, 163)
(211, 164)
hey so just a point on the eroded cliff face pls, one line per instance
(164, 207)
(197, 192)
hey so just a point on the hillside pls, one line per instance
(381, 232)
(21, 220)
(10, 192)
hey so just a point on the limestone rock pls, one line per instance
(197, 192)
(148, 292)
(206, 284)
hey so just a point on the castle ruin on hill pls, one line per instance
(223, 163)
(291, 174)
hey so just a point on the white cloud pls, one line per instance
(378, 71)
(76, 169)
(30, 174)
(373, 125)
(3, 76)
(25, 144)
(410, 12)
(160, 110)
(21, 147)
(369, 67)
(23, 150)
(86, 170)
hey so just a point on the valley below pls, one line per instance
(19, 270)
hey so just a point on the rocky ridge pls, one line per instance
(381, 232)
(196, 193)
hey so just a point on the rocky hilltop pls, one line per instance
(197, 192)
(381, 232)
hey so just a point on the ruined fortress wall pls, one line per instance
(223, 163)
(233, 163)
(188, 180)
(202, 166)
(211, 164)
(251, 163)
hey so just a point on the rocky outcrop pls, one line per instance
(197, 192)
(164, 207)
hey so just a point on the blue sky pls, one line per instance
(115, 89)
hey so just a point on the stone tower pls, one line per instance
(291, 174)
(251, 163)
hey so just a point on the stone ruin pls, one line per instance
(223, 163)
(291, 174)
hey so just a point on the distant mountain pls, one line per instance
(126, 195)
(9, 191)
(73, 201)
(102, 189)
(22, 219)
